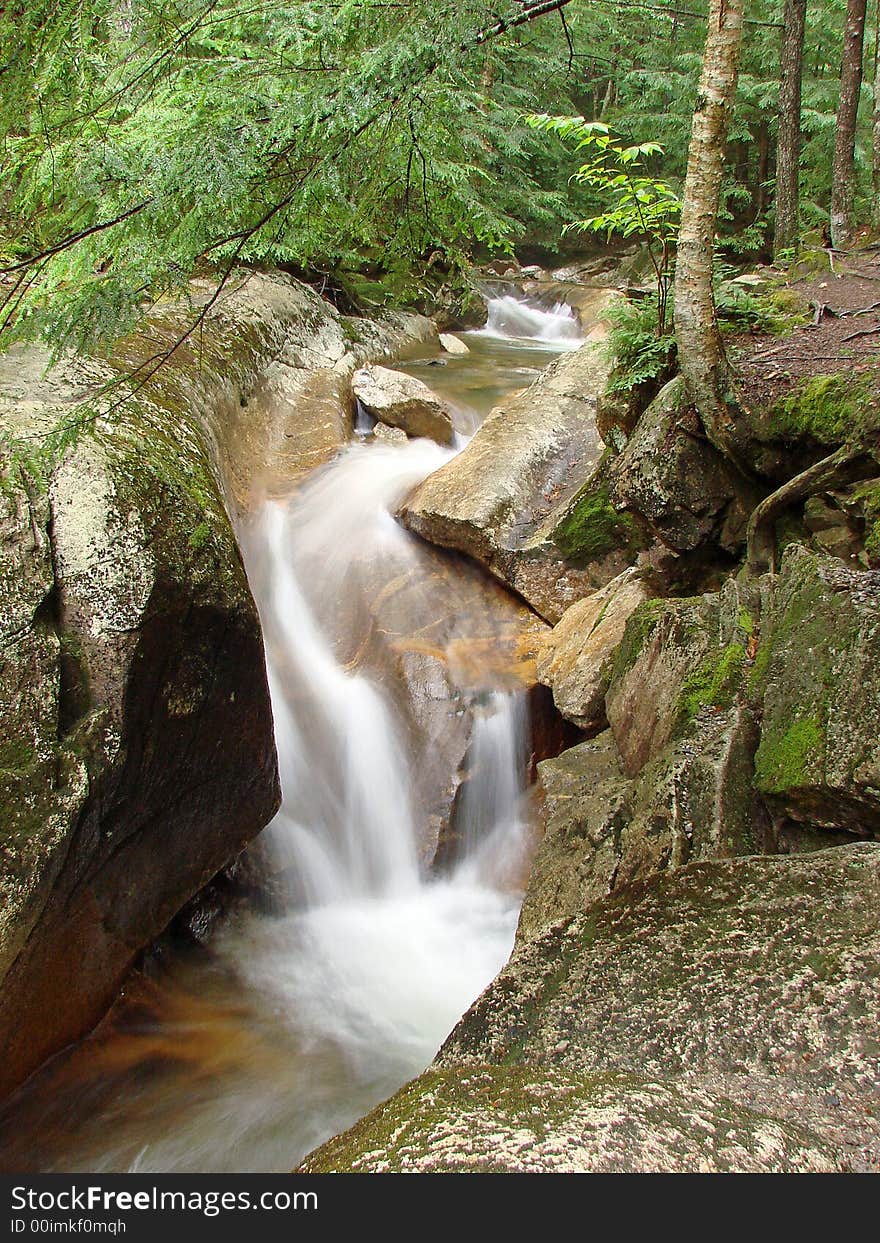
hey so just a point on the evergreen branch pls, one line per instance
(73, 238)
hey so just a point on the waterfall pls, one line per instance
(345, 830)
(519, 318)
(488, 819)
(373, 957)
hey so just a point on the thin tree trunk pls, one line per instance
(842, 168)
(788, 148)
(875, 143)
(701, 353)
(763, 169)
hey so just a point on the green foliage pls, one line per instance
(636, 204)
(379, 147)
(173, 136)
(640, 355)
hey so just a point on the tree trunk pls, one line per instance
(701, 352)
(763, 170)
(875, 142)
(842, 169)
(788, 148)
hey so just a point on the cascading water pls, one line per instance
(521, 319)
(307, 1014)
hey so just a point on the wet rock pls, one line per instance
(389, 435)
(499, 499)
(578, 654)
(403, 401)
(277, 362)
(694, 1021)
(453, 344)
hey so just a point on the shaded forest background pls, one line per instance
(376, 147)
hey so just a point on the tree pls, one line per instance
(350, 141)
(635, 204)
(789, 142)
(875, 128)
(701, 352)
(842, 168)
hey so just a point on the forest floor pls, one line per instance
(844, 339)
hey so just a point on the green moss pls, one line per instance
(593, 527)
(829, 409)
(714, 683)
(758, 675)
(868, 495)
(199, 536)
(16, 754)
(746, 623)
(638, 630)
(783, 761)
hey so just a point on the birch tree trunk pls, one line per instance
(701, 353)
(788, 147)
(875, 133)
(842, 170)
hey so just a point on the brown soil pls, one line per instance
(845, 339)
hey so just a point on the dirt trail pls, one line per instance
(845, 338)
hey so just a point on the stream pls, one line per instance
(352, 959)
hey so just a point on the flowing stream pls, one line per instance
(311, 1004)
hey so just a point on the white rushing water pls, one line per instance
(521, 319)
(376, 958)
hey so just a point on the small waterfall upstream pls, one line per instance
(514, 318)
(321, 1005)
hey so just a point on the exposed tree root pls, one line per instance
(844, 465)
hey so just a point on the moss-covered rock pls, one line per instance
(816, 672)
(827, 409)
(542, 1120)
(722, 1016)
(678, 660)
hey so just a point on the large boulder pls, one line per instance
(136, 745)
(269, 373)
(719, 1017)
(670, 474)
(817, 673)
(498, 499)
(578, 654)
(605, 829)
(401, 400)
